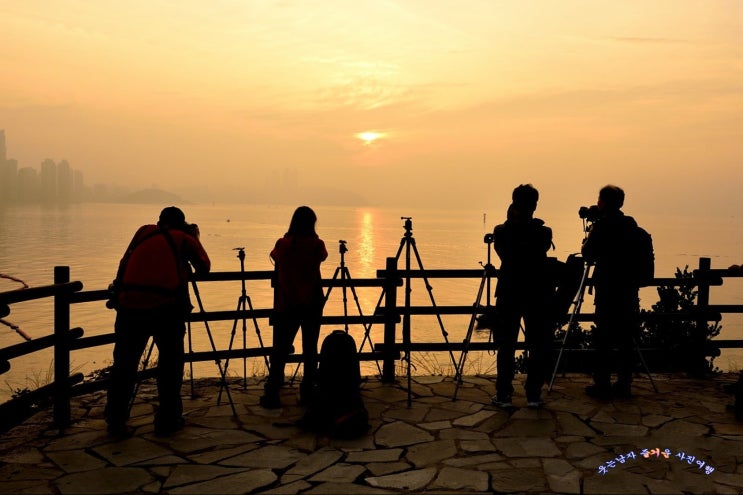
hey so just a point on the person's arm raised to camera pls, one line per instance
(195, 253)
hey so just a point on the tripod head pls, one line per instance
(342, 247)
(488, 240)
(240, 253)
(408, 226)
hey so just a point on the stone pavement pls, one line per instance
(682, 440)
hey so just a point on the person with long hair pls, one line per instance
(298, 302)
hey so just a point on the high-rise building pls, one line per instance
(48, 181)
(64, 182)
(78, 186)
(8, 181)
(7, 173)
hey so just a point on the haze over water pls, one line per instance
(91, 239)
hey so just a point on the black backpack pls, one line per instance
(567, 277)
(643, 256)
(336, 407)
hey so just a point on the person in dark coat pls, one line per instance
(298, 302)
(523, 291)
(152, 301)
(616, 295)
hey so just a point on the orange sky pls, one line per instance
(211, 99)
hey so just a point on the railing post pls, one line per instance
(699, 339)
(390, 320)
(61, 349)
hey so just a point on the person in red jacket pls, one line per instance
(298, 301)
(153, 301)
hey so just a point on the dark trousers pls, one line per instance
(285, 328)
(133, 329)
(617, 327)
(538, 338)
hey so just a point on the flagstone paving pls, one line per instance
(681, 440)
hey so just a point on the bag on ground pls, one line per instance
(336, 407)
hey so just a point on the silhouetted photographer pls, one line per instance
(151, 298)
(524, 290)
(623, 262)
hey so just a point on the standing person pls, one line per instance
(153, 301)
(298, 301)
(617, 300)
(523, 291)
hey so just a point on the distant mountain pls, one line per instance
(152, 196)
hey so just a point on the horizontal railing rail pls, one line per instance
(388, 313)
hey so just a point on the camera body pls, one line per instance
(589, 213)
(488, 239)
(191, 229)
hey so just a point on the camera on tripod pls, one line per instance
(589, 213)
(488, 238)
(342, 246)
(191, 229)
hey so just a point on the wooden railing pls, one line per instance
(389, 313)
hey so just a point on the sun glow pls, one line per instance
(368, 137)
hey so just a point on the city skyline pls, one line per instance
(58, 183)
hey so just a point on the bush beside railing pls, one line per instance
(389, 314)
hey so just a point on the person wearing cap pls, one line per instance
(523, 291)
(152, 300)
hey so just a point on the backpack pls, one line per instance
(336, 407)
(567, 278)
(642, 256)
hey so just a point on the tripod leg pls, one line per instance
(245, 359)
(470, 328)
(257, 328)
(644, 364)
(346, 275)
(144, 366)
(577, 303)
(240, 307)
(190, 351)
(429, 288)
(330, 287)
(222, 371)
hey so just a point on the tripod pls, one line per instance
(243, 304)
(488, 272)
(408, 243)
(342, 270)
(577, 303)
(222, 371)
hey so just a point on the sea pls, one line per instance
(90, 238)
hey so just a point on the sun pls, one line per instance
(369, 137)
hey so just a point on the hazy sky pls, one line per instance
(469, 97)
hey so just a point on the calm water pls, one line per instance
(91, 238)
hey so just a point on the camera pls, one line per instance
(488, 239)
(191, 229)
(342, 246)
(590, 213)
